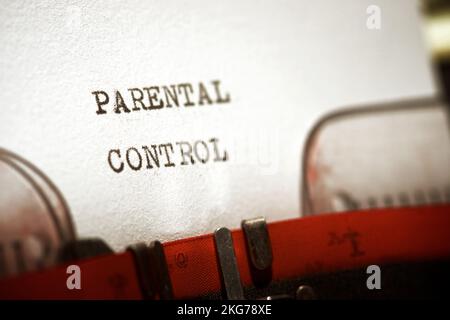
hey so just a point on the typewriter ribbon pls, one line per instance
(301, 247)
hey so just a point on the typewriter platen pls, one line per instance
(226, 153)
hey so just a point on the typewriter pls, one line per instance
(291, 150)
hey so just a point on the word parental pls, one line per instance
(158, 97)
(166, 155)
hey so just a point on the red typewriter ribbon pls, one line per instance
(301, 247)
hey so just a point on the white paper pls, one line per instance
(283, 63)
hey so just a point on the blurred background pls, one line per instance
(437, 28)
